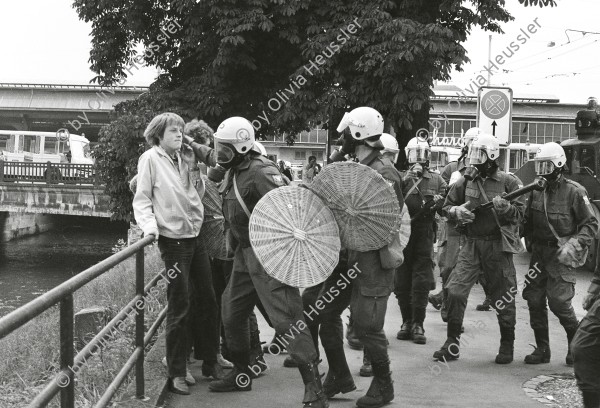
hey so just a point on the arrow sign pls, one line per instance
(494, 124)
(494, 112)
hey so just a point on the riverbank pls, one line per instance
(29, 357)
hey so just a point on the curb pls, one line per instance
(530, 388)
(156, 388)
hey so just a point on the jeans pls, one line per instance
(189, 284)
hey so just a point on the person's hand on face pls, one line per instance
(188, 155)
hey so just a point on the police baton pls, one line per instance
(538, 184)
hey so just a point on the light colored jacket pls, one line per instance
(167, 200)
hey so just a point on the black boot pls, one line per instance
(418, 334)
(570, 334)
(436, 300)
(405, 332)
(339, 379)
(367, 369)
(257, 359)
(444, 310)
(212, 369)
(591, 399)
(238, 379)
(353, 341)
(541, 354)
(451, 348)
(381, 390)
(485, 306)
(507, 342)
(314, 396)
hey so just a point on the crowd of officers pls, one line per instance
(477, 245)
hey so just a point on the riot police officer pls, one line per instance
(368, 294)
(586, 347)
(491, 239)
(249, 177)
(562, 214)
(423, 193)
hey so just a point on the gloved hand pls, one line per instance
(501, 205)
(348, 144)
(572, 253)
(216, 173)
(188, 155)
(590, 299)
(462, 213)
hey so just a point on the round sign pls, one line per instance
(495, 104)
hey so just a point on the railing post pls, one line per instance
(139, 324)
(67, 393)
(2, 170)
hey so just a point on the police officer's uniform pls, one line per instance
(485, 249)
(414, 278)
(249, 282)
(570, 214)
(586, 348)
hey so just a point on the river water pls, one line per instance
(33, 265)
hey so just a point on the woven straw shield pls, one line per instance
(212, 232)
(295, 236)
(364, 205)
(404, 233)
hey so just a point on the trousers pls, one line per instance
(585, 348)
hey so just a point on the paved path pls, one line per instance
(473, 381)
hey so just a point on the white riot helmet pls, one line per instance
(234, 134)
(259, 148)
(549, 157)
(482, 148)
(364, 122)
(287, 164)
(471, 134)
(390, 145)
(417, 151)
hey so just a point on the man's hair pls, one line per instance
(199, 131)
(310, 158)
(156, 129)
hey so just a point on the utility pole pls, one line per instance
(489, 81)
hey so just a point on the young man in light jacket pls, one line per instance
(167, 204)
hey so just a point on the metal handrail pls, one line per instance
(49, 173)
(63, 294)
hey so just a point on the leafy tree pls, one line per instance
(224, 57)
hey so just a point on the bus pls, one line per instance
(441, 156)
(515, 155)
(43, 147)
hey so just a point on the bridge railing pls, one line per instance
(64, 382)
(49, 173)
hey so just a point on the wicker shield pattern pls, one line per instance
(295, 236)
(364, 205)
(212, 231)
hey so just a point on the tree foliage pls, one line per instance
(224, 57)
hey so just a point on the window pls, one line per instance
(588, 158)
(318, 154)
(31, 144)
(50, 145)
(7, 143)
(299, 155)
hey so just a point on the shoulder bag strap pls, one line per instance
(415, 184)
(548, 221)
(239, 197)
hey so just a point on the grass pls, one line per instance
(30, 356)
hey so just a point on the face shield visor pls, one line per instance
(225, 152)
(544, 168)
(418, 154)
(477, 155)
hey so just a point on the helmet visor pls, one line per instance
(418, 154)
(477, 155)
(225, 152)
(543, 168)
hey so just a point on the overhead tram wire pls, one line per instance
(548, 50)
(555, 56)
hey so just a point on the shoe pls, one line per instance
(178, 385)
(507, 341)
(213, 370)
(541, 354)
(353, 341)
(449, 351)
(314, 394)
(224, 363)
(405, 331)
(381, 390)
(333, 385)
(485, 306)
(236, 380)
(435, 300)
(289, 362)
(418, 334)
(367, 369)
